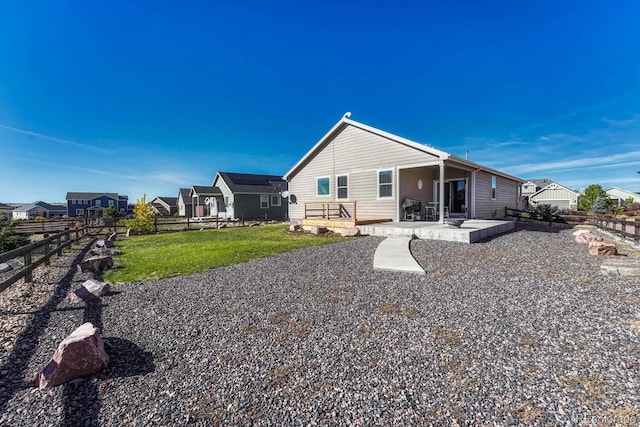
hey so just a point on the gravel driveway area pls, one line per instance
(521, 329)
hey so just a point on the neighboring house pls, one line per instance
(251, 196)
(550, 193)
(184, 202)
(165, 206)
(354, 162)
(5, 211)
(39, 209)
(205, 200)
(618, 195)
(92, 205)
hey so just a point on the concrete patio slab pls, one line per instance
(471, 231)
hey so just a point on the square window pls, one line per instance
(275, 200)
(323, 186)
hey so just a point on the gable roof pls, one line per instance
(555, 186)
(91, 196)
(253, 183)
(623, 191)
(205, 190)
(170, 201)
(346, 121)
(43, 205)
(185, 193)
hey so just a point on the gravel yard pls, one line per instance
(521, 329)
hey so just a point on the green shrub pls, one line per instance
(600, 205)
(143, 217)
(9, 239)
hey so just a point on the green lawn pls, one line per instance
(164, 255)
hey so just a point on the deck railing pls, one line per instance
(38, 253)
(330, 210)
(622, 227)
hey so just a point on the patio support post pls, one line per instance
(441, 194)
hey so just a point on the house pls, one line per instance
(5, 211)
(204, 200)
(365, 173)
(81, 204)
(39, 209)
(250, 196)
(165, 206)
(548, 192)
(618, 195)
(185, 204)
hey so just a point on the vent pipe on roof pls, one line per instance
(347, 114)
(466, 155)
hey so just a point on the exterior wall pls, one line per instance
(619, 196)
(560, 197)
(121, 205)
(184, 209)
(506, 196)
(247, 206)
(360, 154)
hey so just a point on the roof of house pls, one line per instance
(554, 186)
(623, 191)
(91, 196)
(170, 201)
(41, 205)
(253, 183)
(541, 183)
(186, 195)
(205, 190)
(346, 121)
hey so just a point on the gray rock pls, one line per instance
(4, 267)
(95, 264)
(621, 267)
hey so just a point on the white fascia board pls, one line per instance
(556, 184)
(478, 167)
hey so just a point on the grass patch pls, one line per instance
(165, 255)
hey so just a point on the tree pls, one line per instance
(589, 196)
(600, 205)
(143, 216)
(112, 213)
(10, 239)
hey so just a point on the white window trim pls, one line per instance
(264, 197)
(80, 212)
(337, 188)
(323, 177)
(278, 198)
(393, 176)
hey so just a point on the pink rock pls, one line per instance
(350, 232)
(602, 249)
(588, 237)
(80, 354)
(90, 289)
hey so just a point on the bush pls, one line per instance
(546, 211)
(600, 205)
(10, 240)
(632, 206)
(143, 217)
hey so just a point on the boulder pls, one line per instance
(318, 230)
(621, 266)
(131, 232)
(582, 231)
(90, 289)
(80, 354)
(112, 237)
(102, 243)
(95, 264)
(602, 249)
(223, 225)
(588, 237)
(295, 227)
(4, 267)
(350, 232)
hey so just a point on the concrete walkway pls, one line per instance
(393, 254)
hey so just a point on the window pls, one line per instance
(264, 201)
(79, 212)
(385, 183)
(275, 200)
(226, 201)
(343, 186)
(493, 187)
(110, 202)
(323, 187)
(84, 202)
(98, 202)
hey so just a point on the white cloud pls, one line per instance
(54, 139)
(610, 160)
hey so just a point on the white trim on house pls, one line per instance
(392, 184)
(620, 194)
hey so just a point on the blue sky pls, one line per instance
(142, 97)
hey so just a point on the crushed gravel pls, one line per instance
(521, 329)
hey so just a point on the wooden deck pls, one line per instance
(337, 224)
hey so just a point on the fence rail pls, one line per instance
(621, 227)
(38, 253)
(329, 210)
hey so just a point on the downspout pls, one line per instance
(441, 201)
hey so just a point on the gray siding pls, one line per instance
(360, 154)
(560, 197)
(506, 196)
(247, 206)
